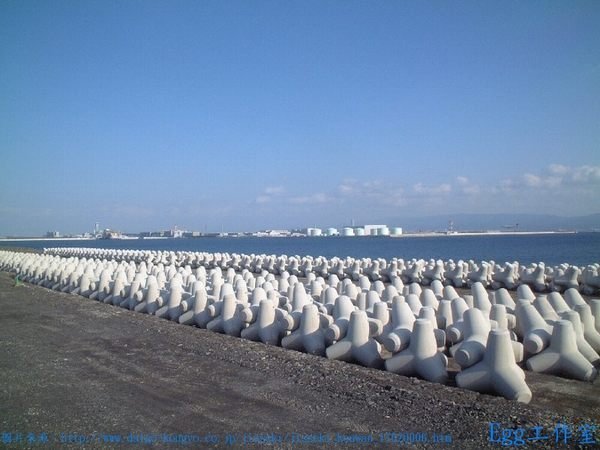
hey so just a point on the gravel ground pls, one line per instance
(83, 374)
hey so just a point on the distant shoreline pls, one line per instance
(405, 235)
(482, 233)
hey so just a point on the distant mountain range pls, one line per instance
(502, 222)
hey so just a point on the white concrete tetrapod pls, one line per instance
(524, 292)
(582, 345)
(396, 281)
(315, 289)
(299, 298)
(481, 299)
(227, 318)
(497, 372)
(258, 294)
(558, 302)
(534, 276)
(413, 301)
(361, 301)
(459, 306)
(468, 298)
(532, 327)
(562, 356)
(428, 313)
(402, 320)
(505, 277)
(267, 326)
(284, 285)
(371, 298)
(350, 290)
(422, 357)
(342, 310)
(381, 312)
(545, 309)
(437, 287)
(200, 315)
(86, 285)
(358, 345)
(574, 298)
(310, 335)
(103, 286)
(333, 281)
(502, 297)
(152, 299)
(455, 274)
(389, 293)
(117, 289)
(134, 296)
(567, 279)
(434, 271)
(479, 274)
(590, 279)
(373, 272)
(413, 273)
(595, 308)
(475, 330)
(328, 297)
(172, 309)
(378, 287)
(589, 328)
(73, 281)
(215, 285)
(428, 298)
(454, 332)
(364, 284)
(449, 293)
(501, 320)
(414, 288)
(444, 314)
(354, 272)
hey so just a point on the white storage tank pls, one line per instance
(332, 232)
(383, 231)
(314, 232)
(347, 231)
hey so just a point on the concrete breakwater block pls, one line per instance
(498, 371)
(358, 344)
(532, 327)
(200, 314)
(582, 345)
(328, 314)
(310, 335)
(422, 357)
(402, 320)
(562, 357)
(265, 323)
(539, 277)
(228, 319)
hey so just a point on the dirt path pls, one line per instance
(75, 370)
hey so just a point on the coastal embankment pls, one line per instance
(75, 370)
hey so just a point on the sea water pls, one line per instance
(576, 248)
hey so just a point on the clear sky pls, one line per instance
(245, 115)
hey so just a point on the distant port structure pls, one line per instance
(365, 230)
(344, 231)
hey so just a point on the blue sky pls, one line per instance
(245, 115)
